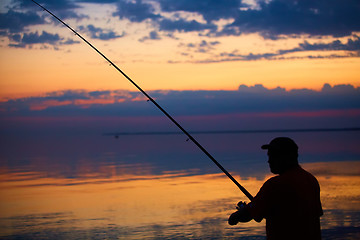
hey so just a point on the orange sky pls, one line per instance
(34, 71)
(39, 68)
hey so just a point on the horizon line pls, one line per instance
(116, 134)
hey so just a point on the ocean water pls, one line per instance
(89, 186)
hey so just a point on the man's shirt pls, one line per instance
(291, 205)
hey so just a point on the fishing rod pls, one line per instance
(190, 137)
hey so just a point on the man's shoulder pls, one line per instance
(289, 177)
(272, 181)
(305, 174)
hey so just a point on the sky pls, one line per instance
(231, 60)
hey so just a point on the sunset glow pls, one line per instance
(54, 59)
(120, 197)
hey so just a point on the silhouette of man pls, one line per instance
(290, 201)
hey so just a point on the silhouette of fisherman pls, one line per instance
(290, 201)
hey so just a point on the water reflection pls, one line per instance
(173, 205)
(160, 188)
(168, 202)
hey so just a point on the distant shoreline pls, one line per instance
(237, 131)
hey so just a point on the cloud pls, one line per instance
(135, 11)
(277, 17)
(26, 39)
(248, 108)
(351, 48)
(98, 1)
(211, 10)
(64, 9)
(139, 11)
(153, 35)
(99, 33)
(203, 47)
(337, 45)
(183, 25)
(15, 22)
(272, 19)
(247, 99)
(287, 17)
(44, 37)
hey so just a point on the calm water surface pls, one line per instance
(161, 187)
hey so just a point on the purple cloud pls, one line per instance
(246, 99)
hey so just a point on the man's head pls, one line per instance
(283, 154)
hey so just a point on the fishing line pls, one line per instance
(190, 137)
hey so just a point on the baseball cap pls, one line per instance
(283, 144)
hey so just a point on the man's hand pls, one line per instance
(233, 219)
(242, 215)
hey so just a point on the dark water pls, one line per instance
(161, 187)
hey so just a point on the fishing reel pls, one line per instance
(240, 205)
